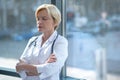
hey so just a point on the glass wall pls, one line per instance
(17, 25)
(93, 29)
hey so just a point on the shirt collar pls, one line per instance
(53, 36)
(50, 39)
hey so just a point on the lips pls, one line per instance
(39, 26)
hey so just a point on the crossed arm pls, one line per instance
(30, 69)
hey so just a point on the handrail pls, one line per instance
(8, 71)
(12, 72)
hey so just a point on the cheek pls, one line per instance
(50, 25)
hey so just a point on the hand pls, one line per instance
(19, 65)
(21, 62)
(28, 68)
(51, 59)
(32, 74)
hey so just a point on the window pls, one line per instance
(93, 31)
(17, 25)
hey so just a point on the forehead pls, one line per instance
(42, 12)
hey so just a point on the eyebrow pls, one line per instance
(42, 16)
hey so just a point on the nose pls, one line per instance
(39, 21)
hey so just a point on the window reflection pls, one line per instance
(17, 25)
(93, 33)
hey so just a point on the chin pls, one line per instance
(40, 30)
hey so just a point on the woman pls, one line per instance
(37, 62)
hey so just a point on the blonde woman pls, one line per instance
(44, 55)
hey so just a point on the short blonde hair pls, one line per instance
(52, 11)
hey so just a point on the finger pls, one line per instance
(52, 54)
(17, 64)
(52, 59)
(21, 60)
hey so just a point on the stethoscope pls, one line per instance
(35, 41)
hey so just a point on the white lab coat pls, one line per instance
(37, 55)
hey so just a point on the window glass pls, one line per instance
(17, 25)
(93, 29)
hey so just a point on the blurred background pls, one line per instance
(92, 28)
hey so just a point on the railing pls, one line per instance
(12, 72)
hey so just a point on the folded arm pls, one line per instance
(30, 69)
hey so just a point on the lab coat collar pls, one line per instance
(53, 36)
(50, 39)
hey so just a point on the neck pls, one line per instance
(46, 35)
